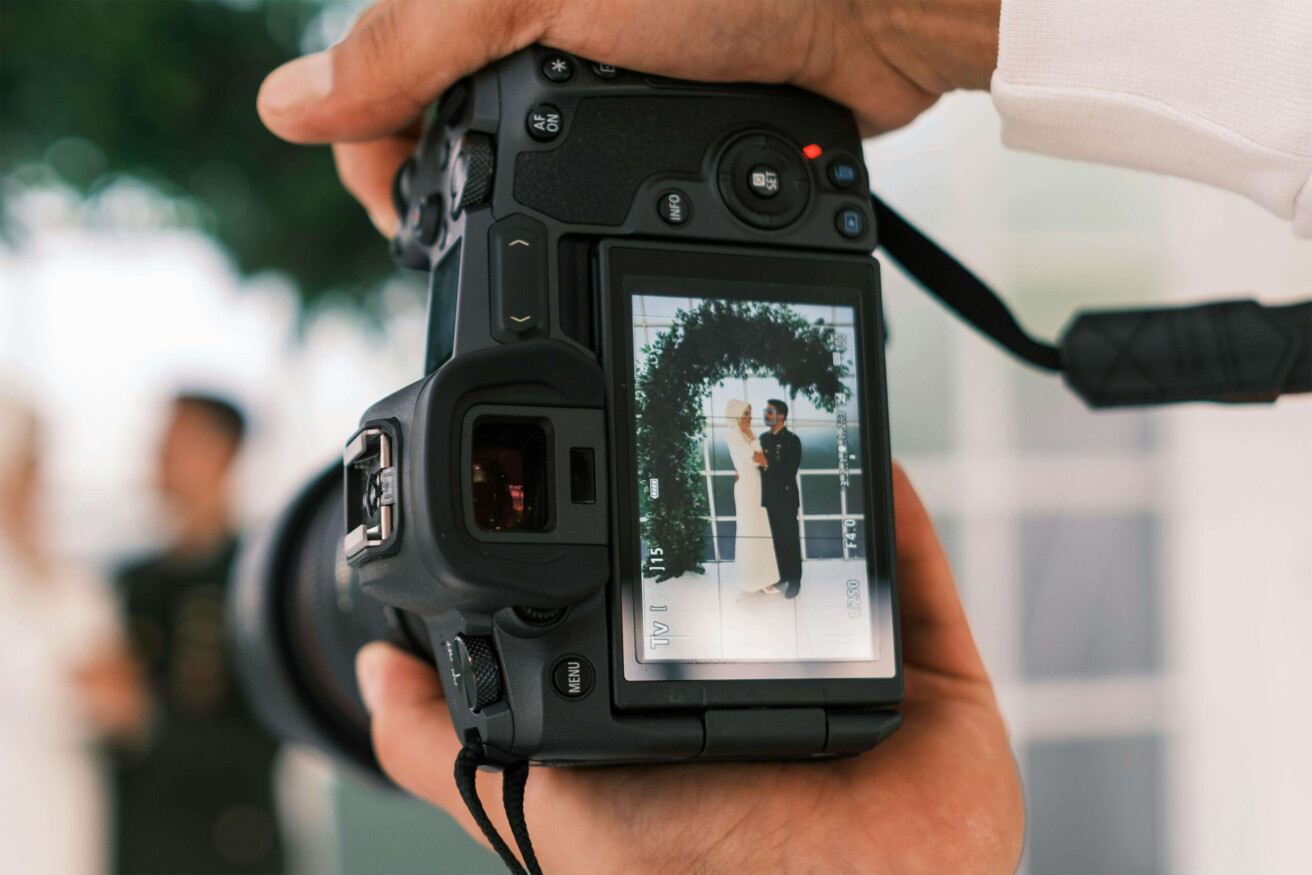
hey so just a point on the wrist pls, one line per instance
(939, 45)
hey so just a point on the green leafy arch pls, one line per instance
(712, 342)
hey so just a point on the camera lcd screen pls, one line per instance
(753, 558)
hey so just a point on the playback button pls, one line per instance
(573, 677)
(850, 222)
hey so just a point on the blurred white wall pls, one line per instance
(1140, 582)
(105, 313)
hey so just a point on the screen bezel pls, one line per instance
(855, 278)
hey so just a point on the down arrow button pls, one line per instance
(517, 249)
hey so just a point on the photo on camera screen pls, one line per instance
(752, 511)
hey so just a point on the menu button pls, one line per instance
(573, 677)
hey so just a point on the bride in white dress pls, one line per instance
(754, 564)
(64, 680)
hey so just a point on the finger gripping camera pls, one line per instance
(638, 508)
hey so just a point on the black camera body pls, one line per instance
(519, 508)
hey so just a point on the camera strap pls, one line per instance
(1226, 351)
(513, 780)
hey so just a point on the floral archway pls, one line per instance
(708, 344)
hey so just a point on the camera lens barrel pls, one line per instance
(297, 619)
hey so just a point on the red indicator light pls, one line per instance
(812, 151)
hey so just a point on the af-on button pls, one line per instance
(544, 122)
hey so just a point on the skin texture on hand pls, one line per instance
(941, 795)
(113, 696)
(888, 60)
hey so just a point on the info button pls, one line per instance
(673, 207)
(573, 677)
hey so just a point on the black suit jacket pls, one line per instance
(209, 756)
(783, 452)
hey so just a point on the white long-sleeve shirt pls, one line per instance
(1219, 91)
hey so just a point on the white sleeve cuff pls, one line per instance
(1211, 90)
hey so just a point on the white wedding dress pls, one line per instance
(754, 564)
(53, 806)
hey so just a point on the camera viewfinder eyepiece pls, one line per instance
(511, 475)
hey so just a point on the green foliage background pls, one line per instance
(715, 341)
(165, 91)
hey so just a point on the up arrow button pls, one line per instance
(517, 269)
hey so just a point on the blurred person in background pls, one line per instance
(199, 798)
(65, 678)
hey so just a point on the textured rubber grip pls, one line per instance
(1232, 351)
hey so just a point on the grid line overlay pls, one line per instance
(645, 327)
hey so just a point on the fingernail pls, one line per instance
(369, 676)
(298, 84)
(386, 223)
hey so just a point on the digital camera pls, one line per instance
(638, 507)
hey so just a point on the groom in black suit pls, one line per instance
(783, 456)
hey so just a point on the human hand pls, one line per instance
(113, 696)
(888, 60)
(759, 458)
(940, 795)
